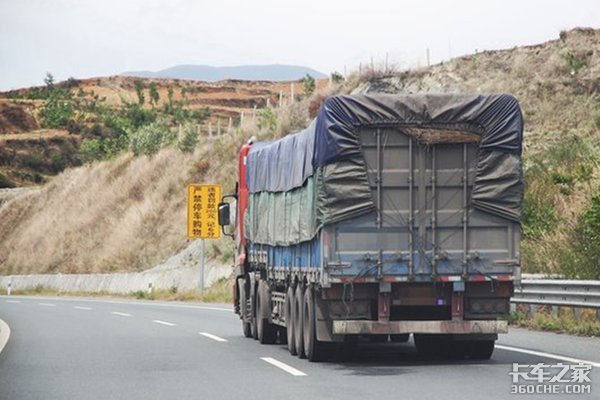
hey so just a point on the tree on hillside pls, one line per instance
(154, 95)
(49, 81)
(309, 84)
(139, 90)
(336, 77)
(57, 110)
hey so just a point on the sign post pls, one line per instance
(203, 217)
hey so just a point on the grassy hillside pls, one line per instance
(45, 129)
(127, 212)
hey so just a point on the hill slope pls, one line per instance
(45, 129)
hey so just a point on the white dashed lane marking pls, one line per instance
(290, 370)
(213, 337)
(158, 321)
(83, 308)
(13, 301)
(121, 314)
(47, 305)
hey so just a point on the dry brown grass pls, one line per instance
(125, 214)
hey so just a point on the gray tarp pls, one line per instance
(330, 150)
(496, 118)
(282, 218)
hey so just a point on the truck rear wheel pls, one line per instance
(252, 317)
(298, 321)
(400, 338)
(378, 338)
(432, 345)
(266, 332)
(244, 309)
(313, 348)
(289, 321)
(479, 349)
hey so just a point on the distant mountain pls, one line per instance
(275, 72)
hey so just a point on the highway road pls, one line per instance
(76, 348)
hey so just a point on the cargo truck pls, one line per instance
(388, 216)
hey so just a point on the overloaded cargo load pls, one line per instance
(387, 216)
(318, 176)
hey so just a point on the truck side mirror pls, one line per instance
(224, 214)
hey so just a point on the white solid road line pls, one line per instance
(120, 314)
(158, 321)
(213, 337)
(547, 355)
(83, 308)
(13, 301)
(285, 367)
(47, 304)
(4, 334)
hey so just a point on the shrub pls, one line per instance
(139, 116)
(151, 138)
(92, 149)
(5, 182)
(154, 95)
(587, 240)
(576, 61)
(58, 110)
(336, 77)
(139, 90)
(188, 139)
(267, 120)
(56, 113)
(33, 161)
(309, 85)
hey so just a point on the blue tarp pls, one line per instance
(283, 164)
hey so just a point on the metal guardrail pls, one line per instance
(563, 293)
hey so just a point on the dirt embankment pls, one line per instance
(17, 117)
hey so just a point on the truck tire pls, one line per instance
(313, 348)
(378, 338)
(289, 321)
(246, 329)
(253, 325)
(298, 321)
(266, 332)
(400, 338)
(479, 349)
(431, 345)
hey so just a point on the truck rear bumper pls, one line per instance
(361, 327)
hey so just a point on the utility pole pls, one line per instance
(202, 259)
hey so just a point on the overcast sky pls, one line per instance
(82, 38)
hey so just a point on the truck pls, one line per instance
(389, 215)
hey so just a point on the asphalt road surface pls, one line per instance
(75, 348)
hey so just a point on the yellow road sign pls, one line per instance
(203, 213)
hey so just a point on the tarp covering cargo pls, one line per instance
(330, 150)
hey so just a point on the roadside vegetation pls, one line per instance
(564, 320)
(219, 292)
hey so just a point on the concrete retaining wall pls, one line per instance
(181, 271)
